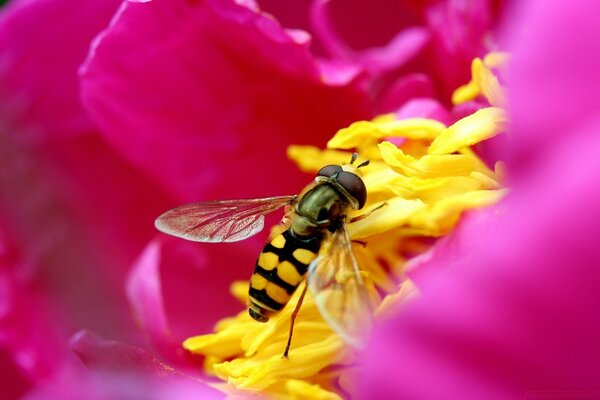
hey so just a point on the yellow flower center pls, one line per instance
(426, 184)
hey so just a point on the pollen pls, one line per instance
(422, 177)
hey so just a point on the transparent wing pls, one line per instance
(220, 221)
(339, 290)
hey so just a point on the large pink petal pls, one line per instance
(207, 95)
(76, 219)
(517, 313)
(76, 212)
(556, 73)
(53, 180)
(38, 75)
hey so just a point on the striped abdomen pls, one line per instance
(279, 270)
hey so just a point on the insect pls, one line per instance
(316, 241)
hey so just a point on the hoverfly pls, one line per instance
(316, 241)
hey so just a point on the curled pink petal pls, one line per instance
(144, 291)
(405, 88)
(424, 108)
(338, 72)
(194, 278)
(329, 38)
(195, 305)
(399, 51)
(363, 25)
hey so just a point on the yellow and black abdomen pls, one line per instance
(280, 268)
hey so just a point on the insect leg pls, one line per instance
(365, 215)
(293, 320)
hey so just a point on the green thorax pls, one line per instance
(321, 207)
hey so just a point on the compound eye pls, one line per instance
(329, 170)
(354, 185)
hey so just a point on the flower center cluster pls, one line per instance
(428, 174)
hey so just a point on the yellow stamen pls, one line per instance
(477, 127)
(426, 184)
(484, 82)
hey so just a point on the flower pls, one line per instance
(416, 191)
(513, 314)
(116, 111)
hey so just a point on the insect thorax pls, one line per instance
(320, 208)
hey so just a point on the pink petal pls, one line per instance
(107, 356)
(126, 371)
(76, 212)
(330, 40)
(38, 79)
(340, 73)
(144, 291)
(556, 74)
(364, 25)
(29, 326)
(76, 220)
(118, 387)
(459, 31)
(14, 385)
(451, 249)
(54, 186)
(30, 333)
(192, 118)
(515, 313)
(378, 59)
(424, 108)
(465, 109)
(404, 89)
(189, 283)
(146, 297)
(403, 47)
